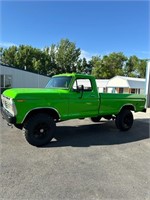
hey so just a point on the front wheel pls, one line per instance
(39, 129)
(124, 120)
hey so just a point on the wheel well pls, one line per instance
(128, 107)
(53, 113)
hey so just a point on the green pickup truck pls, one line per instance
(66, 96)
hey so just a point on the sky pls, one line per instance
(96, 27)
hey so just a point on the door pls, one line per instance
(83, 100)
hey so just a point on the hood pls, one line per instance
(33, 93)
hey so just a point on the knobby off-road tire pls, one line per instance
(39, 129)
(124, 120)
(95, 119)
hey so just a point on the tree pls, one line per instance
(135, 67)
(96, 64)
(67, 56)
(109, 66)
(1, 53)
(114, 63)
(83, 66)
(86, 66)
(142, 68)
(51, 60)
(8, 55)
(130, 67)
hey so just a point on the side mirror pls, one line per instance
(80, 88)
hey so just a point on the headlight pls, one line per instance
(9, 105)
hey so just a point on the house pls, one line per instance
(101, 84)
(122, 84)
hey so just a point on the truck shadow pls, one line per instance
(103, 133)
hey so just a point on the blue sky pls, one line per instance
(97, 27)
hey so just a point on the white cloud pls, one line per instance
(7, 44)
(87, 55)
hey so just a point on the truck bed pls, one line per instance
(111, 103)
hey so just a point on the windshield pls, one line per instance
(59, 82)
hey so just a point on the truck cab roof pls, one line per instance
(81, 76)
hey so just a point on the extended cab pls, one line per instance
(66, 96)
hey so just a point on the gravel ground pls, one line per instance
(85, 161)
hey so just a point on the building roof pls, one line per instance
(126, 82)
(17, 69)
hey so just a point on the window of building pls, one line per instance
(132, 91)
(135, 91)
(6, 81)
(120, 90)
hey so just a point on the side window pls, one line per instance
(85, 82)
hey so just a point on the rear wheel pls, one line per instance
(39, 129)
(124, 120)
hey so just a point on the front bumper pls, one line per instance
(7, 116)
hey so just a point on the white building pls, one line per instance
(102, 84)
(122, 84)
(16, 78)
